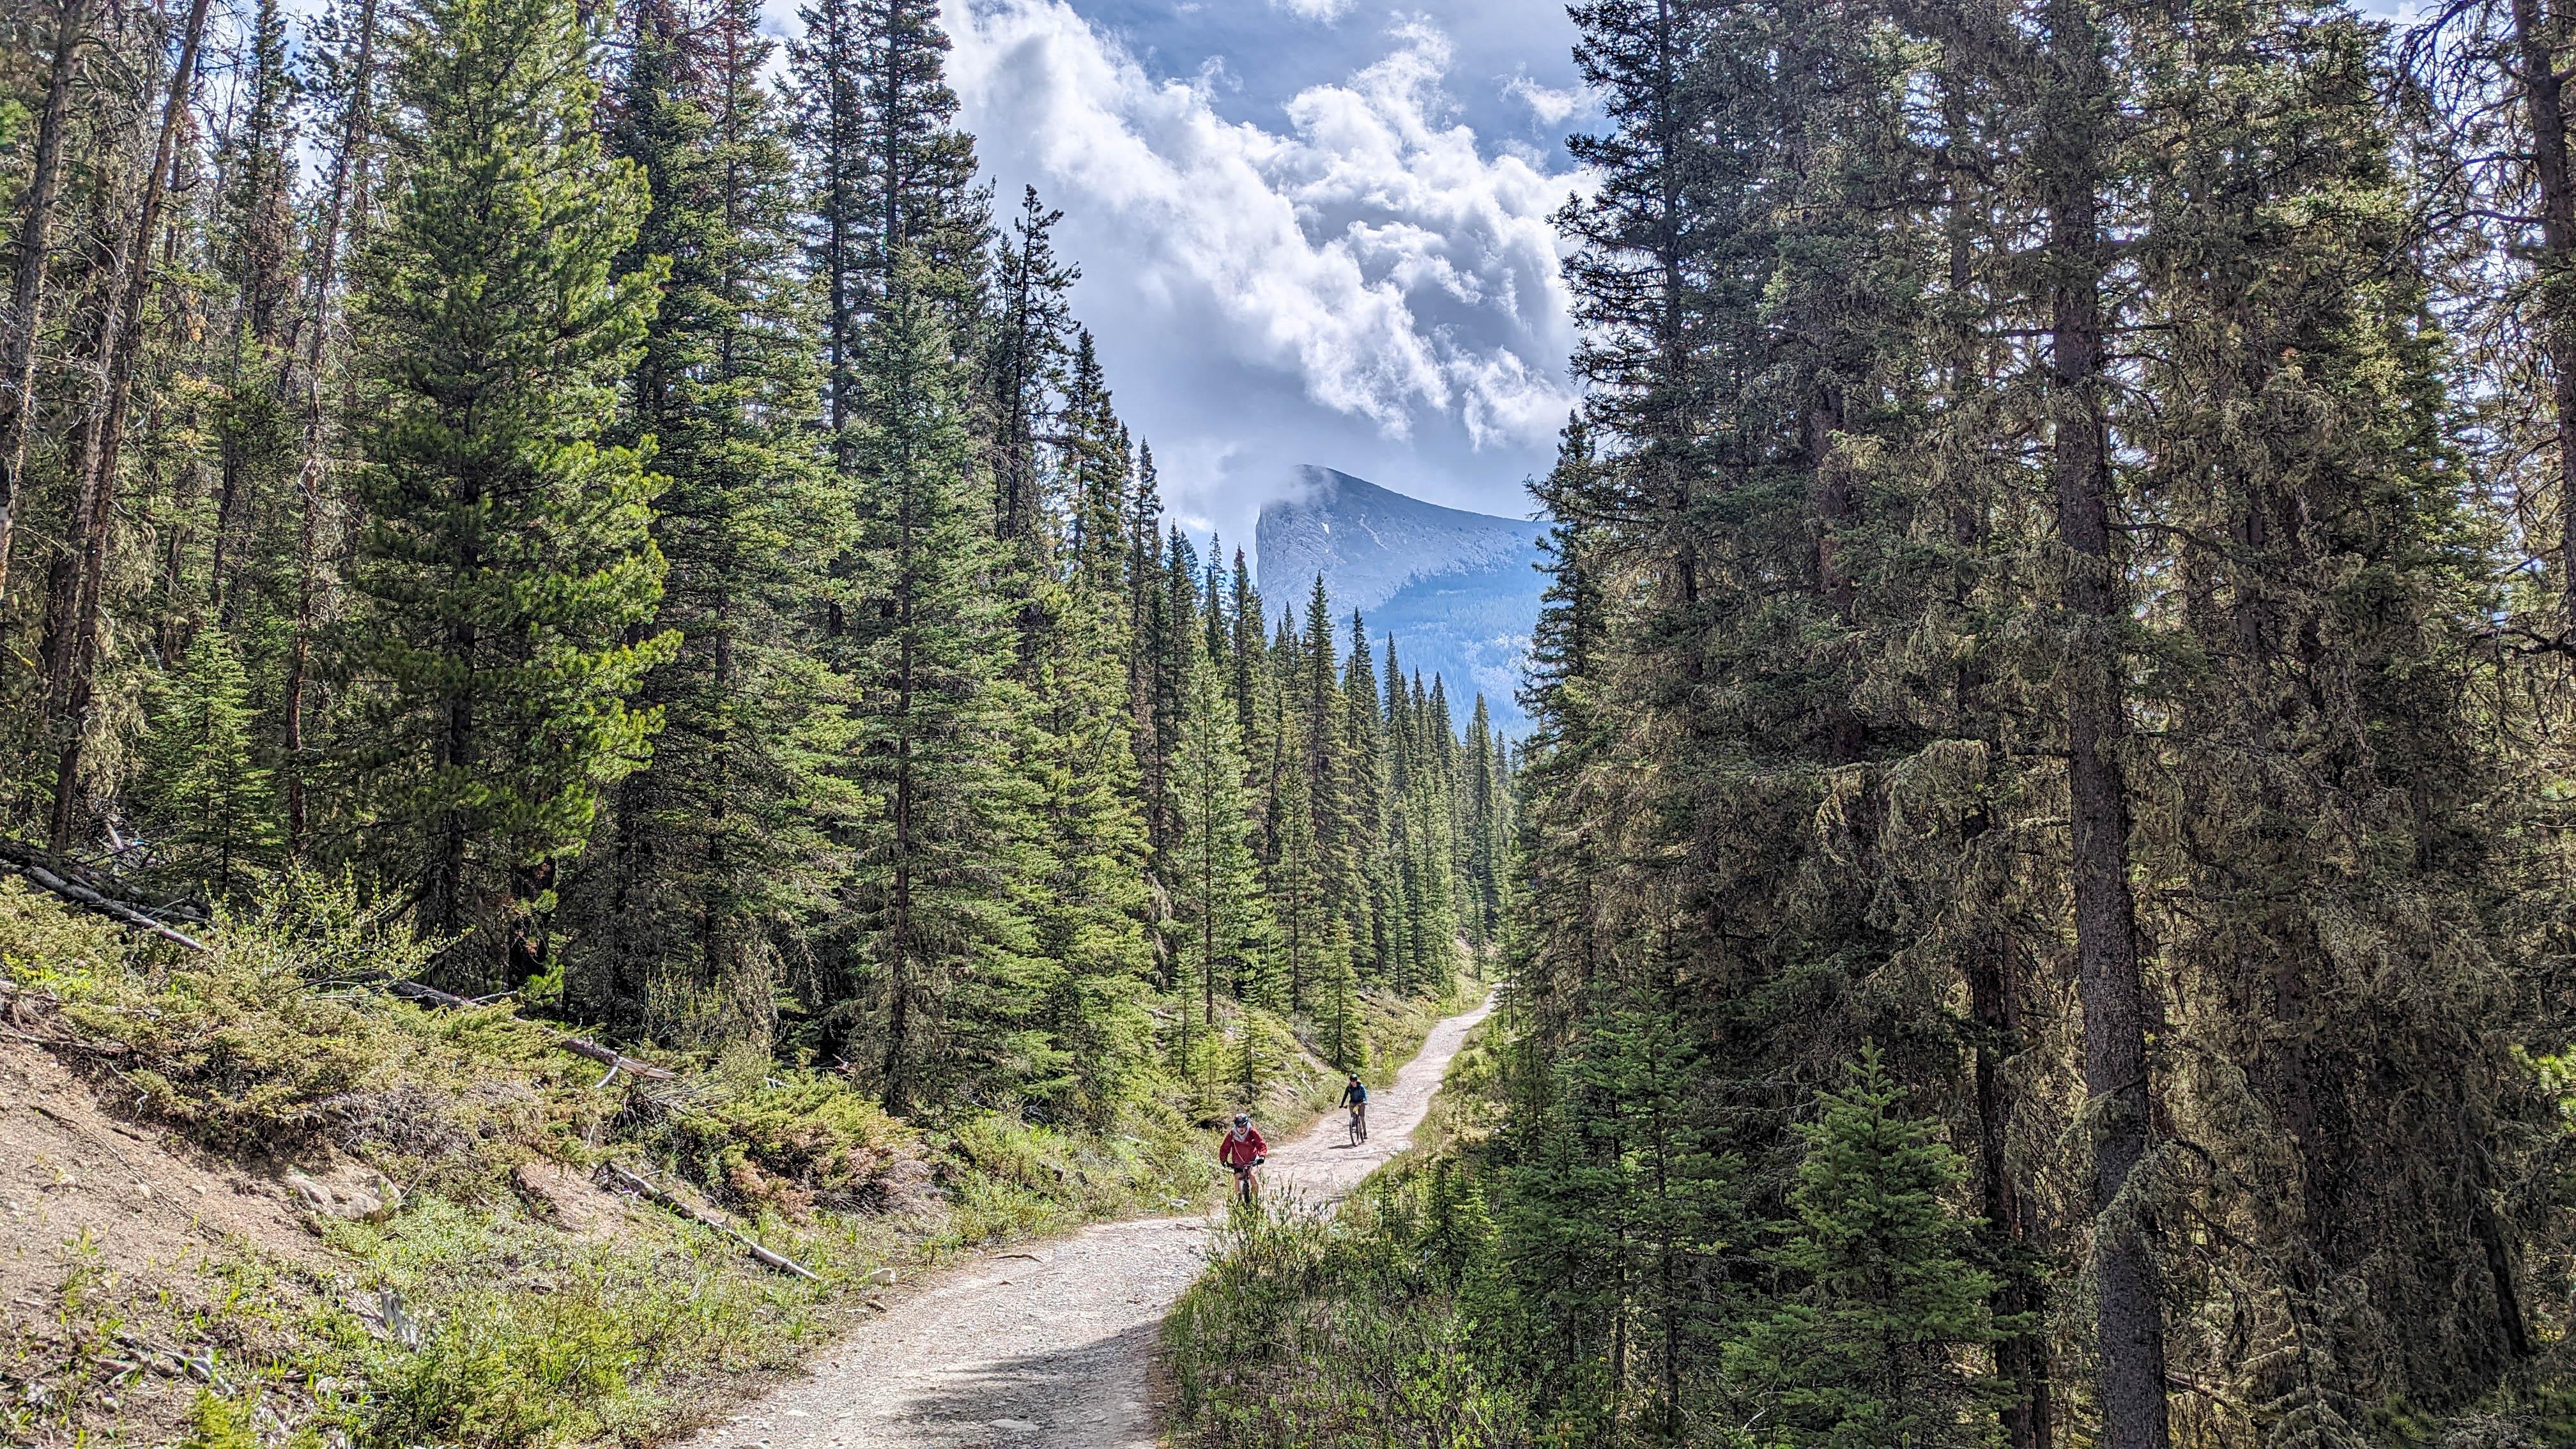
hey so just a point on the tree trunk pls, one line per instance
(2130, 1319)
(2537, 40)
(121, 333)
(442, 897)
(2010, 1224)
(27, 281)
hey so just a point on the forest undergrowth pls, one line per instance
(1418, 1316)
(501, 1296)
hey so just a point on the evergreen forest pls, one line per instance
(2040, 905)
(666, 534)
(2036, 909)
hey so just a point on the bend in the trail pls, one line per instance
(1052, 1345)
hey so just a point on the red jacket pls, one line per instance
(1240, 1151)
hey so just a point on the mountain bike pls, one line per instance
(1359, 1123)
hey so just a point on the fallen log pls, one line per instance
(652, 1192)
(583, 1046)
(49, 876)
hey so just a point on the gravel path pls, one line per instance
(1050, 1345)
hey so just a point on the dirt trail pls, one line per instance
(1051, 1345)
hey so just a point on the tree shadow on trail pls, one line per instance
(1045, 1390)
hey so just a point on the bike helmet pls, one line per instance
(1241, 1120)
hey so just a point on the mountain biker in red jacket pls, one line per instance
(1243, 1150)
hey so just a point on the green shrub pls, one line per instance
(277, 1038)
(1346, 1333)
(490, 1330)
(215, 1422)
(787, 1143)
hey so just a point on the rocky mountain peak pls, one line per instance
(1458, 590)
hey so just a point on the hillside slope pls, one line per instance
(251, 1191)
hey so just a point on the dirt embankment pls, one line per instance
(118, 1243)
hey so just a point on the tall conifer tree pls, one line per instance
(946, 847)
(507, 568)
(716, 850)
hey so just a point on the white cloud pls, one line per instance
(1370, 249)
(1326, 11)
(1548, 105)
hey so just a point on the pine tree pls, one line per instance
(506, 566)
(211, 809)
(342, 59)
(714, 854)
(30, 235)
(946, 848)
(1889, 1307)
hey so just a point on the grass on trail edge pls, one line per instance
(480, 1311)
(1355, 1331)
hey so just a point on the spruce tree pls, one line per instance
(211, 808)
(946, 847)
(2328, 574)
(1024, 367)
(1293, 876)
(255, 433)
(1360, 732)
(506, 569)
(1482, 794)
(1218, 913)
(1093, 914)
(1624, 1212)
(717, 853)
(1247, 664)
(830, 131)
(888, 174)
(1888, 1308)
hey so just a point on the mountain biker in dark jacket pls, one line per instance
(1355, 1097)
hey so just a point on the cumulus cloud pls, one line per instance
(1326, 11)
(1548, 105)
(1367, 246)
